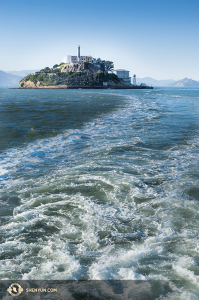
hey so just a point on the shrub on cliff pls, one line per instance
(43, 77)
(46, 70)
(33, 78)
(26, 78)
(113, 77)
(105, 76)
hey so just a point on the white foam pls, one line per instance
(114, 216)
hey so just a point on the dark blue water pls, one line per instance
(100, 185)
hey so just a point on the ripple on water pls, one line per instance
(114, 198)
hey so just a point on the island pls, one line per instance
(80, 72)
(186, 82)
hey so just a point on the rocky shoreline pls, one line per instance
(86, 87)
(110, 85)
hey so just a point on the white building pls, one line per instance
(124, 75)
(78, 59)
(81, 59)
(66, 59)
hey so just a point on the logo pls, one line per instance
(15, 289)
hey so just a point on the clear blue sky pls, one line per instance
(156, 38)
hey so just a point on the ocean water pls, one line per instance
(98, 185)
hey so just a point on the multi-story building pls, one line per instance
(81, 59)
(78, 59)
(124, 75)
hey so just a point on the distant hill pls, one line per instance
(150, 81)
(9, 79)
(186, 82)
(22, 73)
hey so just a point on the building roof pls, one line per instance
(122, 70)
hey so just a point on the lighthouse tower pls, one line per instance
(134, 79)
(78, 54)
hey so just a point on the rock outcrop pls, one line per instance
(80, 67)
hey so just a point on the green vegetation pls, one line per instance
(105, 65)
(62, 65)
(46, 70)
(105, 76)
(74, 74)
(89, 76)
(41, 77)
(109, 65)
(33, 78)
(44, 77)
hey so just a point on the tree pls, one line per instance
(105, 65)
(109, 65)
(102, 65)
(41, 76)
(46, 70)
(98, 61)
(55, 66)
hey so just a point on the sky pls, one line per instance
(149, 38)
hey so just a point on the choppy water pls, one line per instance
(100, 185)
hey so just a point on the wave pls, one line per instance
(114, 199)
